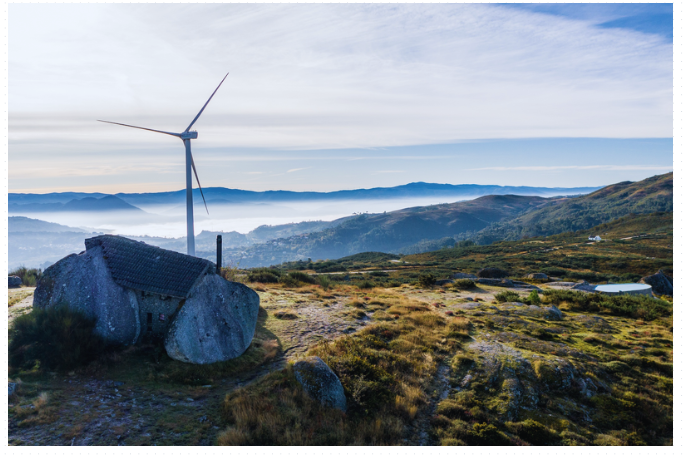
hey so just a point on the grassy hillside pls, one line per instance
(391, 231)
(420, 364)
(654, 194)
(484, 220)
(632, 247)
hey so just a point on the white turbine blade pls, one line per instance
(192, 162)
(203, 108)
(178, 135)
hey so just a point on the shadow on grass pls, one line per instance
(149, 362)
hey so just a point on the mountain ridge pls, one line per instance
(237, 196)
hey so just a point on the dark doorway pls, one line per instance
(149, 322)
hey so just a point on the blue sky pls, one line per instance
(327, 97)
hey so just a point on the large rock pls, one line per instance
(497, 282)
(84, 283)
(463, 275)
(216, 323)
(492, 273)
(320, 382)
(661, 285)
(13, 281)
(584, 286)
(537, 276)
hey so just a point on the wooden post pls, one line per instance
(218, 254)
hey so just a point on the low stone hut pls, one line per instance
(139, 292)
(161, 279)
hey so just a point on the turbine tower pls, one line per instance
(186, 136)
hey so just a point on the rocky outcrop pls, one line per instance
(492, 273)
(13, 281)
(661, 285)
(537, 276)
(497, 282)
(548, 313)
(320, 382)
(84, 283)
(216, 323)
(584, 286)
(463, 275)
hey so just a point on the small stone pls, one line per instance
(320, 382)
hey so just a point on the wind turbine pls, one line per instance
(186, 136)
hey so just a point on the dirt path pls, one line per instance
(422, 422)
(21, 307)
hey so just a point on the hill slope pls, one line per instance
(654, 194)
(392, 231)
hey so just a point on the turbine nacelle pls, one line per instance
(188, 135)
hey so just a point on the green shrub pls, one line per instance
(533, 298)
(535, 433)
(55, 338)
(484, 434)
(464, 284)
(324, 281)
(635, 306)
(29, 277)
(296, 279)
(302, 277)
(426, 280)
(507, 296)
(263, 275)
(366, 285)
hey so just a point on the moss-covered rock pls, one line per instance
(320, 382)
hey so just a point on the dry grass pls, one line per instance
(286, 314)
(384, 368)
(17, 297)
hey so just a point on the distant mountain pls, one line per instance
(654, 194)
(483, 220)
(25, 224)
(390, 232)
(89, 203)
(25, 202)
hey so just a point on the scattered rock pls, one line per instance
(497, 282)
(216, 323)
(537, 276)
(548, 313)
(584, 286)
(320, 382)
(660, 283)
(13, 281)
(11, 388)
(596, 324)
(519, 284)
(492, 273)
(463, 275)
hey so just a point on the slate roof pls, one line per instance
(148, 268)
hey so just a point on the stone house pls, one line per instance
(138, 292)
(161, 279)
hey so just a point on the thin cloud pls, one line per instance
(294, 170)
(575, 167)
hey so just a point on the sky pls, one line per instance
(329, 97)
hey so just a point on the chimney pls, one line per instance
(218, 254)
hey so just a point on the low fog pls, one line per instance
(170, 220)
